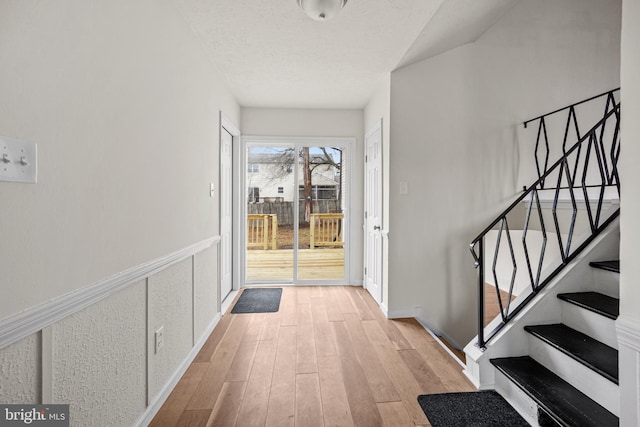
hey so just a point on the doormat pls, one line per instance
(258, 300)
(477, 409)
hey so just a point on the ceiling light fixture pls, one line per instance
(321, 10)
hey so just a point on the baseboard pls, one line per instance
(400, 313)
(436, 337)
(21, 325)
(226, 304)
(385, 309)
(155, 405)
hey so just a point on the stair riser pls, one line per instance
(517, 398)
(606, 282)
(593, 324)
(594, 385)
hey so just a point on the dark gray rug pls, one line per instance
(475, 409)
(258, 300)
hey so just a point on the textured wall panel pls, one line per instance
(170, 305)
(205, 289)
(99, 360)
(20, 371)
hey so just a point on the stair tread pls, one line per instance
(613, 265)
(590, 352)
(559, 399)
(594, 301)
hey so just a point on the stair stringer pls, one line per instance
(545, 308)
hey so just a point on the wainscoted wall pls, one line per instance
(205, 296)
(20, 371)
(170, 305)
(101, 359)
(98, 360)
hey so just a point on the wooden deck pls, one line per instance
(329, 357)
(316, 264)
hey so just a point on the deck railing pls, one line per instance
(259, 230)
(581, 179)
(326, 230)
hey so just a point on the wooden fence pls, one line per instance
(284, 210)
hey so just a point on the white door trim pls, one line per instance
(349, 143)
(373, 259)
(228, 126)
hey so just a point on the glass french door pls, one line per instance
(296, 192)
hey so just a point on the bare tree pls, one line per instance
(306, 171)
(283, 161)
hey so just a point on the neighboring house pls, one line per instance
(270, 178)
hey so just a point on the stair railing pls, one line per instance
(580, 178)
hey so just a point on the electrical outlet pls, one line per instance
(159, 338)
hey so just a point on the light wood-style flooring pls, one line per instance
(327, 358)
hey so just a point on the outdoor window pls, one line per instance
(280, 190)
(253, 168)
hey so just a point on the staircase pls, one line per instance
(572, 365)
(551, 351)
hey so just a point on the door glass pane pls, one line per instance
(321, 224)
(269, 190)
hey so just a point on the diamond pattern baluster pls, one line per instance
(534, 282)
(504, 227)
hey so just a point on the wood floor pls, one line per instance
(327, 358)
(491, 304)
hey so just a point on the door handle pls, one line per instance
(376, 227)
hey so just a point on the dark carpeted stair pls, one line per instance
(558, 399)
(593, 301)
(592, 353)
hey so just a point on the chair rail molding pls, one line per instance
(20, 325)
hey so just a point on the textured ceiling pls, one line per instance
(272, 55)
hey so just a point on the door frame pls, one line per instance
(349, 143)
(227, 124)
(376, 129)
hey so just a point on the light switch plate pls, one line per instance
(18, 160)
(404, 187)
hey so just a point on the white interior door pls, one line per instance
(226, 213)
(373, 213)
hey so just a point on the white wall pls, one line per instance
(320, 123)
(630, 199)
(454, 142)
(124, 104)
(379, 108)
(629, 321)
